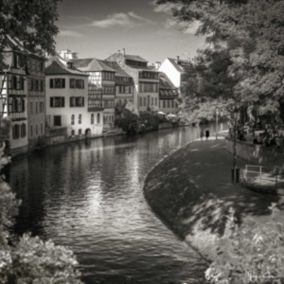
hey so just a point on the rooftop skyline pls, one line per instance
(102, 27)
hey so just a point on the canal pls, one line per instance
(89, 197)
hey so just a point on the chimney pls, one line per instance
(177, 59)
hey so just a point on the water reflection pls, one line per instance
(89, 196)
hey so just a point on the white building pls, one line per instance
(175, 71)
(67, 102)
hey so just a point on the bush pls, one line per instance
(249, 253)
(128, 122)
(150, 120)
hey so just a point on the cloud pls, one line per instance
(167, 8)
(69, 33)
(185, 27)
(120, 19)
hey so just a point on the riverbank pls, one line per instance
(191, 192)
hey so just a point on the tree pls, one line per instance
(29, 259)
(127, 121)
(31, 22)
(253, 33)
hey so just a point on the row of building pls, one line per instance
(65, 97)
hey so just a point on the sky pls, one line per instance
(98, 28)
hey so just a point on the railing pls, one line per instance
(260, 176)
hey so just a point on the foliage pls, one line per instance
(251, 33)
(29, 260)
(31, 22)
(127, 121)
(250, 253)
(150, 120)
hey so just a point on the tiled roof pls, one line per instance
(166, 89)
(135, 58)
(92, 64)
(55, 67)
(118, 70)
(165, 82)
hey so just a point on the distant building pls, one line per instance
(36, 100)
(67, 54)
(146, 80)
(168, 95)
(124, 85)
(175, 71)
(101, 86)
(22, 95)
(68, 112)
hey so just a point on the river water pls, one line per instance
(89, 197)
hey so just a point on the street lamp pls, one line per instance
(217, 114)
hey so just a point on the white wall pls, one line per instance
(173, 74)
(67, 111)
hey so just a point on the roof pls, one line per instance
(164, 82)
(135, 58)
(180, 65)
(91, 64)
(166, 89)
(55, 67)
(118, 70)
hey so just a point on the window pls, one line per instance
(76, 84)
(72, 83)
(41, 107)
(80, 119)
(57, 101)
(92, 118)
(98, 118)
(57, 120)
(72, 119)
(57, 83)
(14, 82)
(31, 131)
(156, 101)
(79, 131)
(41, 128)
(31, 108)
(77, 101)
(16, 131)
(72, 132)
(41, 85)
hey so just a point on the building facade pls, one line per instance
(175, 71)
(35, 100)
(124, 85)
(67, 102)
(168, 95)
(101, 87)
(14, 98)
(146, 80)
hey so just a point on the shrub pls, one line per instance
(250, 253)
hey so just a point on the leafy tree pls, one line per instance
(127, 121)
(253, 33)
(249, 253)
(31, 22)
(29, 260)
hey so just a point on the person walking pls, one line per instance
(207, 134)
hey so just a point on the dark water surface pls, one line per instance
(90, 198)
